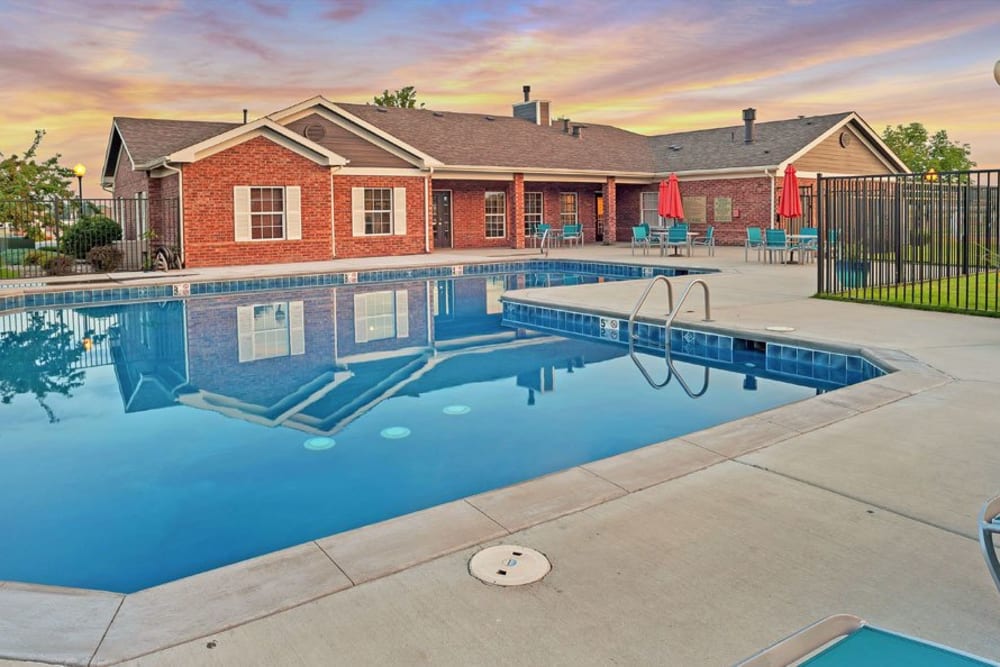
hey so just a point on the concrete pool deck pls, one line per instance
(697, 551)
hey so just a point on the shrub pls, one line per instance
(35, 257)
(105, 258)
(89, 231)
(58, 265)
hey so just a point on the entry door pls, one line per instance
(442, 218)
(599, 217)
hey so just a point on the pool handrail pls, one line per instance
(989, 527)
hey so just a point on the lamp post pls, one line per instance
(79, 170)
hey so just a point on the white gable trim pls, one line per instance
(110, 180)
(315, 104)
(261, 127)
(868, 136)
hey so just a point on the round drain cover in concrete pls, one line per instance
(509, 565)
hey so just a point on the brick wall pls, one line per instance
(469, 209)
(209, 227)
(348, 245)
(128, 183)
(468, 212)
(213, 347)
(751, 196)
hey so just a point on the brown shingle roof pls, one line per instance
(722, 147)
(476, 140)
(148, 139)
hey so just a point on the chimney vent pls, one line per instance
(565, 122)
(244, 116)
(527, 92)
(749, 116)
(578, 130)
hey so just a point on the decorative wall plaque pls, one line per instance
(723, 209)
(694, 209)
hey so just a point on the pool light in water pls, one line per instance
(395, 432)
(319, 444)
(457, 410)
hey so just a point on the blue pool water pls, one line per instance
(145, 442)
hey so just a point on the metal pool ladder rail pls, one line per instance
(671, 314)
(541, 246)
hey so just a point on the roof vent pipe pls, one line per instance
(749, 116)
(244, 116)
(527, 93)
(578, 130)
(565, 122)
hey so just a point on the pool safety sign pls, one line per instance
(609, 328)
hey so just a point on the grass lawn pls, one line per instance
(976, 295)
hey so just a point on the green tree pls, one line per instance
(26, 182)
(921, 151)
(404, 98)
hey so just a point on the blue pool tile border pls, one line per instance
(781, 360)
(184, 289)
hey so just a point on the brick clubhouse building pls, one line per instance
(323, 180)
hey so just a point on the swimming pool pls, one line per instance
(145, 442)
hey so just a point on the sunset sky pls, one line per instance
(651, 67)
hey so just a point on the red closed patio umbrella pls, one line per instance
(790, 205)
(670, 205)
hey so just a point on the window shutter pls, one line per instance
(358, 211)
(402, 314)
(296, 328)
(360, 316)
(244, 332)
(399, 211)
(293, 212)
(241, 212)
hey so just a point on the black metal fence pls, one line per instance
(66, 236)
(926, 240)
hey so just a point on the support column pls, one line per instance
(610, 212)
(516, 234)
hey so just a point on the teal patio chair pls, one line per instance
(708, 240)
(573, 234)
(755, 241)
(808, 243)
(677, 238)
(640, 238)
(848, 641)
(775, 241)
(539, 234)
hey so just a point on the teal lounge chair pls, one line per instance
(754, 240)
(539, 234)
(708, 240)
(640, 238)
(775, 241)
(677, 238)
(847, 641)
(573, 234)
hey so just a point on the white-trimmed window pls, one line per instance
(267, 213)
(567, 208)
(381, 315)
(268, 330)
(496, 215)
(378, 211)
(533, 212)
(650, 205)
